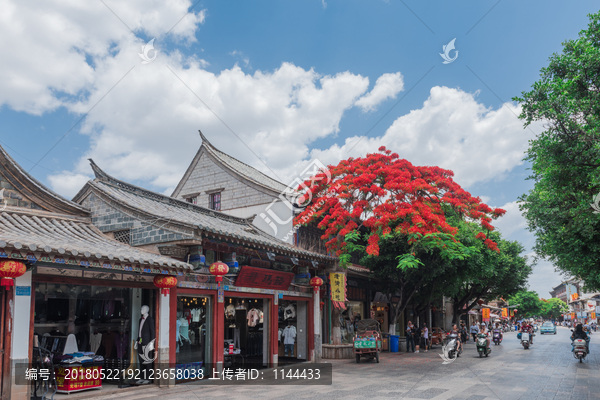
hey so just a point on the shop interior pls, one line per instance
(292, 333)
(246, 339)
(193, 332)
(349, 317)
(82, 325)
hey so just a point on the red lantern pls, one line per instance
(218, 269)
(316, 283)
(434, 308)
(165, 282)
(480, 302)
(9, 270)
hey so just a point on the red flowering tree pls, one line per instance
(380, 193)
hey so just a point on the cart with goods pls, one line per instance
(367, 341)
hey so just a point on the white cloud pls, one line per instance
(68, 183)
(512, 222)
(245, 59)
(46, 43)
(454, 131)
(387, 86)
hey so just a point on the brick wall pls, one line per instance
(15, 199)
(109, 219)
(210, 176)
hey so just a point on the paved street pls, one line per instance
(547, 371)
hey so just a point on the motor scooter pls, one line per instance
(497, 336)
(526, 340)
(453, 346)
(580, 349)
(482, 345)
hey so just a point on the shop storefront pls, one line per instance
(89, 322)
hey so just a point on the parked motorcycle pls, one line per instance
(526, 340)
(453, 346)
(497, 336)
(482, 345)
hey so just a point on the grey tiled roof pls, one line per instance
(178, 211)
(40, 231)
(244, 169)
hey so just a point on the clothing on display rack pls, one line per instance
(289, 338)
(289, 312)
(253, 317)
(254, 344)
(95, 341)
(230, 311)
(122, 344)
(196, 314)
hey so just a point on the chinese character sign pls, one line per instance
(338, 286)
(593, 315)
(485, 314)
(504, 312)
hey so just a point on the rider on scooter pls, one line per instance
(499, 330)
(579, 333)
(484, 331)
(525, 327)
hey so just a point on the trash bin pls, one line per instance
(394, 343)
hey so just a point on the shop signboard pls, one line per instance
(485, 314)
(593, 315)
(505, 313)
(263, 278)
(338, 286)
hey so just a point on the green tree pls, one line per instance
(553, 308)
(486, 275)
(565, 157)
(529, 303)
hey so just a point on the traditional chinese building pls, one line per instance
(246, 320)
(80, 291)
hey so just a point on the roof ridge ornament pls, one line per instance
(98, 172)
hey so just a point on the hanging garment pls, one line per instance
(289, 334)
(236, 338)
(95, 341)
(230, 311)
(253, 317)
(196, 314)
(290, 312)
(122, 344)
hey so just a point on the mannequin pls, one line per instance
(146, 337)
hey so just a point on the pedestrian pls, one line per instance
(417, 337)
(425, 337)
(409, 337)
(474, 331)
(463, 333)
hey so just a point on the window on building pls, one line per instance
(193, 200)
(123, 236)
(214, 201)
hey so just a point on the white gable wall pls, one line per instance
(238, 198)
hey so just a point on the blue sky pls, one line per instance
(293, 81)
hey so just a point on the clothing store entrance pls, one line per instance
(246, 333)
(292, 333)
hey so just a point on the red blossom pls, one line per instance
(380, 191)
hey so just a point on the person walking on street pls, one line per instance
(409, 337)
(474, 331)
(425, 337)
(417, 336)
